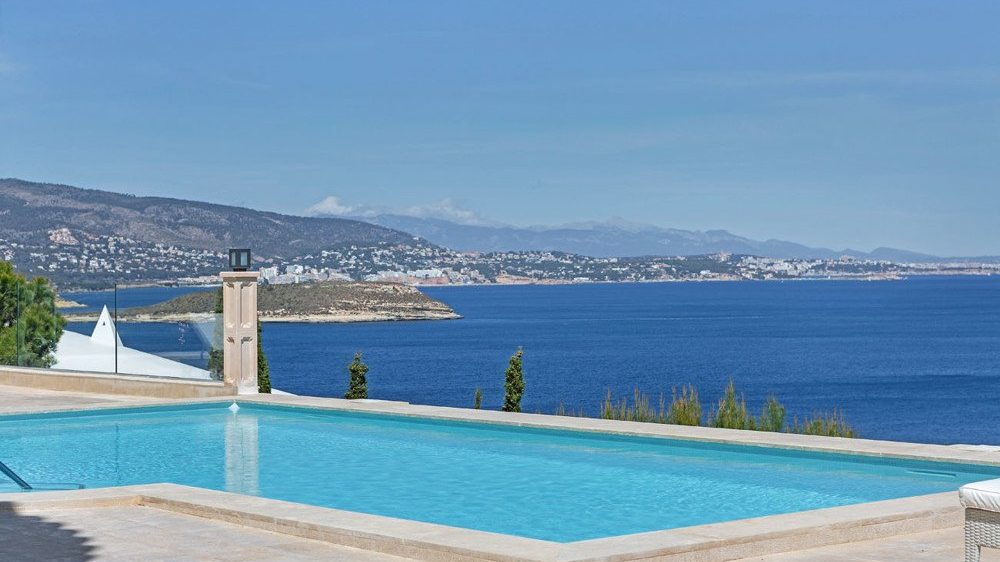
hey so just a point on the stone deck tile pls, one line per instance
(933, 546)
(141, 533)
(18, 399)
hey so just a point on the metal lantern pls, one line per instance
(239, 259)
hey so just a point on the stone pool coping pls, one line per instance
(814, 443)
(438, 543)
(425, 541)
(120, 384)
(864, 447)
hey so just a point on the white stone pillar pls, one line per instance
(239, 330)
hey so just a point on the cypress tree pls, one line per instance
(359, 383)
(263, 368)
(514, 383)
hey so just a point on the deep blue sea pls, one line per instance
(914, 360)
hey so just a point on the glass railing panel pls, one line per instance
(180, 347)
(156, 331)
(153, 331)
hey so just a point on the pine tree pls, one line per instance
(514, 383)
(359, 384)
(30, 325)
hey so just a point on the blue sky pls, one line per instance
(840, 123)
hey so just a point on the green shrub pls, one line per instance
(828, 425)
(731, 412)
(686, 408)
(359, 383)
(514, 383)
(477, 399)
(772, 418)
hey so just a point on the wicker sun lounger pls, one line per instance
(982, 517)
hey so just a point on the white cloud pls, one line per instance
(331, 206)
(446, 209)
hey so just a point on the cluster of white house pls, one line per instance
(300, 274)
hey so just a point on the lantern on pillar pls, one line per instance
(239, 259)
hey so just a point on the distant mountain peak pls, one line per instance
(618, 237)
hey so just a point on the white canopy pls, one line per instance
(77, 352)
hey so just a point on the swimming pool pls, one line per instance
(554, 485)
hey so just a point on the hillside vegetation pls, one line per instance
(338, 301)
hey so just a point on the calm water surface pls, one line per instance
(455, 473)
(915, 360)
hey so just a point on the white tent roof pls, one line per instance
(105, 332)
(77, 352)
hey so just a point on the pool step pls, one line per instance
(13, 476)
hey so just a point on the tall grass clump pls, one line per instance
(561, 410)
(827, 425)
(686, 408)
(772, 418)
(639, 410)
(731, 411)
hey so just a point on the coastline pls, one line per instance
(560, 282)
(878, 277)
(346, 318)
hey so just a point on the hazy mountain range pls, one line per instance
(29, 211)
(618, 239)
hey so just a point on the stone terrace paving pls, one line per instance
(142, 533)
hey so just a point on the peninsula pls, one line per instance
(331, 301)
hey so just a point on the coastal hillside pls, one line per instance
(39, 214)
(89, 239)
(609, 239)
(335, 301)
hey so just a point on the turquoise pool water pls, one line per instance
(554, 485)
